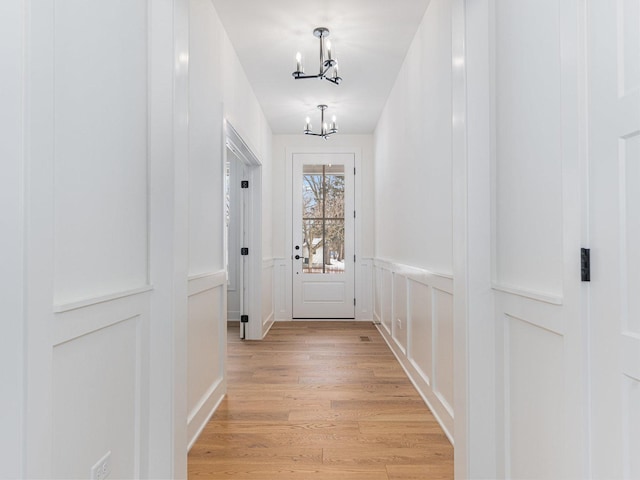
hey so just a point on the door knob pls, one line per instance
(297, 257)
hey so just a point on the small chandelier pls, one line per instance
(326, 65)
(325, 130)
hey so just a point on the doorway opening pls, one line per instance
(243, 235)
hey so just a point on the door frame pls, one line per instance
(357, 185)
(252, 281)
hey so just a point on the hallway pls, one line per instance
(319, 400)
(492, 224)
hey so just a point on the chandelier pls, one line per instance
(328, 67)
(325, 129)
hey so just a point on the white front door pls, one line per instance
(614, 228)
(323, 236)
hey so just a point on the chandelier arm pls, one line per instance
(321, 38)
(297, 76)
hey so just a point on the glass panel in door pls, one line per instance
(323, 218)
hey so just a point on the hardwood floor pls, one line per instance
(319, 401)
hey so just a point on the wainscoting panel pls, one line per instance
(532, 382)
(377, 295)
(534, 416)
(443, 322)
(282, 288)
(415, 310)
(206, 340)
(268, 304)
(631, 436)
(386, 299)
(421, 335)
(98, 385)
(364, 289)
(399, 325)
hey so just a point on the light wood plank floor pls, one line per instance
(319, 401)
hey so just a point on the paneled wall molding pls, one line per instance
(206, 351)
(526, 293)
(413, 308)
(417, 274)
(206, 281)
(631, 355)
(282, 288)
(537, 312)
(66, 307)
(204, 409)
(78, 322)
(364, 289)
(268, 295)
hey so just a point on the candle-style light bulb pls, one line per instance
(335, 71)
(324, 128)
(334, 125)
(299, 62)
(307, 127)
(328, 49)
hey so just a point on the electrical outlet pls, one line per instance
(102, 468)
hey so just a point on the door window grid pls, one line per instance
(323, 218)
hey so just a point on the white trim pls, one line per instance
(206, 281)
(420, 275)
(473, 248)
(235, 143)
(532, 294)
(66, 307)
(267, 322)
(214, 396)
(412, 374)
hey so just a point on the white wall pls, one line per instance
(528, 147)
(413, 153)
(11, 240)
(536, 233)
(218, 88)
(413, 214)
(281, 215)
(206, 335)
(517, 337)
(112, 219)
(87, 243)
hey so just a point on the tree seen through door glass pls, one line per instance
(323, 218)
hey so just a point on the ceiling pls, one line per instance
(370, 39)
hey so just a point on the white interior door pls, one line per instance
(323, 236)
(614, 158)
(233, 237)
(237, 238)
